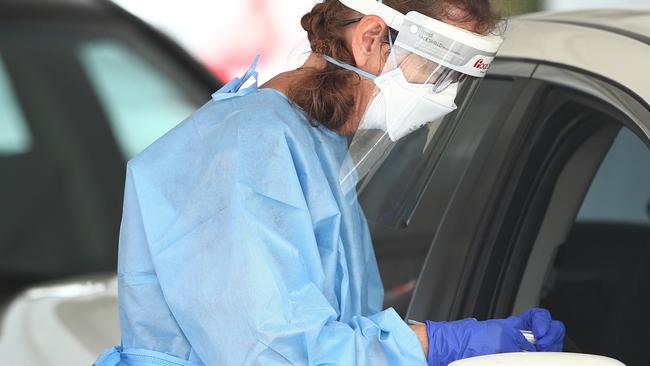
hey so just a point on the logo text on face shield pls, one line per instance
(481, 64)
(436, 40)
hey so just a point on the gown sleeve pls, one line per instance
(234, 249)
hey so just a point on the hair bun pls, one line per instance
(312, 21)
(315, 25)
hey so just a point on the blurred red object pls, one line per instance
(261, 37)
(226, 35)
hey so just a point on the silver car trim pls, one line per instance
(510, 68)
(606, 28)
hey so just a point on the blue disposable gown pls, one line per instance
(237, 247)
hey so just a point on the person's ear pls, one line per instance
(366, 43)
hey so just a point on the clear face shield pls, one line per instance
(395, 148)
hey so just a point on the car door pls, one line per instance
(519, 231)
(583, 248)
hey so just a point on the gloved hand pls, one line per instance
(549, 333)
(452, 341)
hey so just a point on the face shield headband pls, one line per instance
(442, 44)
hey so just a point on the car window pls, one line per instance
(620, 192)
(141, 100)
(15, 137)
(401, 253)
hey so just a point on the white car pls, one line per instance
(541, 197)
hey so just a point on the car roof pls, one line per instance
(631, 22)
(27, 12)
(612, 44)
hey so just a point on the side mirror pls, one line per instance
(538, 359)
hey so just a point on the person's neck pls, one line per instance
(283, 82)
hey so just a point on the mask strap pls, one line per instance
(357, 70)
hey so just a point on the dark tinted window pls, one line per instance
(401, 253)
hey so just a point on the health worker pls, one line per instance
(242, 239)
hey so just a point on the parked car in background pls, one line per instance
(83, 87)
(539, 197)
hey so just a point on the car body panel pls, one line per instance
(629, 21)
(592, 50)
(538, 359)
(81, 317)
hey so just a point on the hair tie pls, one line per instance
(320, 46)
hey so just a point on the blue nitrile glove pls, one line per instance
(452, 341)
(549, 333)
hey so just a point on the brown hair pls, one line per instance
(325, 94)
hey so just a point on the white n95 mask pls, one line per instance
(401, 107)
